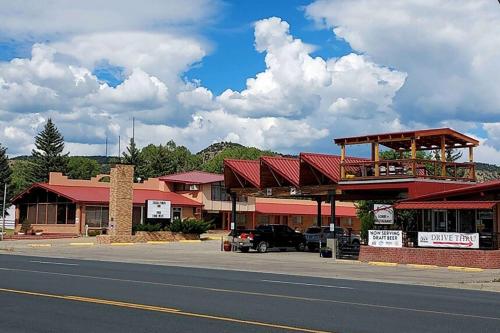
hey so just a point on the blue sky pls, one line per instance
(203, 71)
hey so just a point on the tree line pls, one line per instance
(150, 161)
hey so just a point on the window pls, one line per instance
(61, 214)
(97, 216)
(485, 221)
(297, 219)
(467, 220)
(219, 192)
(176, 213)
(263, 219)
(41, 214)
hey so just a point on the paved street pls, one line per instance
(61, 295)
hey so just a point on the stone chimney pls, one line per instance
(120, 200)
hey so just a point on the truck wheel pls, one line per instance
(301, 247)
(244, 249)
(262, 247)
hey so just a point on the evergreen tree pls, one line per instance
(48, 155)
(5, 176)
(133, 156)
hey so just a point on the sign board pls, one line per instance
(158, 209)
(385, 238)
(232, 226)
(269, 191)
(294, 191)
(448, 239)
(332, 227)
(384, 214)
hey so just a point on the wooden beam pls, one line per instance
(376, 159)
(443, 156)
(471, 154)
(342, 160)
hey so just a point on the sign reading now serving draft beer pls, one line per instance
(448, 239)
(385, 238)
(158, 209)
(384, 214)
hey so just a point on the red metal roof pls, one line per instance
(247, 169)
(475, 188)
(446, 205)
(193, 177)
(297, 209)
(286, 167)
(101, 195)
(329, 165)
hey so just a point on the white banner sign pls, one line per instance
(385, 238)
(448, 239)
(384, 214)
(158, 209)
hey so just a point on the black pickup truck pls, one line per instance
(268, 236)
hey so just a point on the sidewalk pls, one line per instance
(207, 254)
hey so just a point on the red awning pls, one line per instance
(446, 205)
(294, 209)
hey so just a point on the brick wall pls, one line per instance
(427, 256)
(120, 200)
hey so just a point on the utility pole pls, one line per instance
(106, 148)
(119, 150)
(133, 129)
(3, 209)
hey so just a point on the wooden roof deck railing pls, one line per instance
(408, 168)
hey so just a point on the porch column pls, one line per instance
(342, 160)
(233, 211)
(443, 156)
(332, 211)
(414, 156)
(376, 159)
(318, 201)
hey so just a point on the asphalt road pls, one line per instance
(61, 295)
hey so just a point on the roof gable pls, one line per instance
(193, 177)
(286, 167)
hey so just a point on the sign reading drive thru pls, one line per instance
(158, 209)
(448, 239)
(385, 238)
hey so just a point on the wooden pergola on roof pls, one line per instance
(413, 141)
(428, 139)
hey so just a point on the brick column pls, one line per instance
(120, 200)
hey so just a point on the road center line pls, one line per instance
(242, 292)
(53, 263)
(160, 309)
(306, 284)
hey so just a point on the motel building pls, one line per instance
(71, 207)
(445, 217)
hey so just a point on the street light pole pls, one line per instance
(3, 208)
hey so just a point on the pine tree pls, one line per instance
(133, 156)
(5, 176)
(48, 155)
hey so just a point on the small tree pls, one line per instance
(5, 176)
(48, 155)
(80, 167)
(133, 156)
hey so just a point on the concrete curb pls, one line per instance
(190, 241)
(81, 244)
(158, 242)
(121, 244)
(465, 269)
(380, 263)
(419, 266)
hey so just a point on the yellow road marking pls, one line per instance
(158, 242)
(190, 241)
(421, 266)
(465, 269)
(381, 263)
(242, 292)
(40, 245)
(81, 244)
(160, 309)
(121, 244)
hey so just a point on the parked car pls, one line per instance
(313, 236)
(268, 236)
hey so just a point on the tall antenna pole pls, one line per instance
(119, 150)
(133, 129)
(106, 147)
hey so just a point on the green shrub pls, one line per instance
(147, 227)
(25, 226)
(190, 226)
(93, 233)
